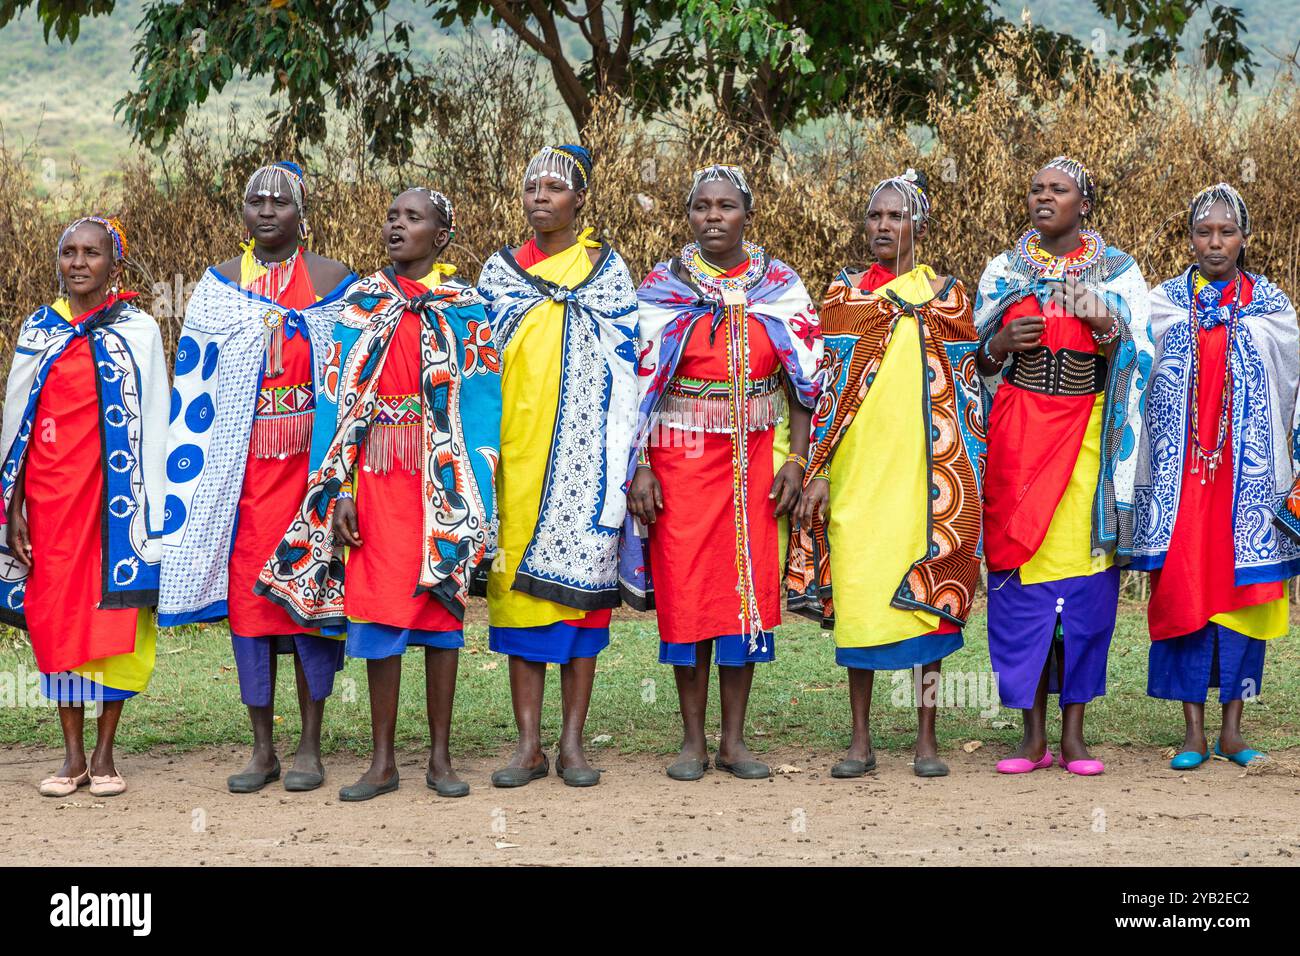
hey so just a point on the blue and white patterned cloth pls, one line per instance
(1265, 378)
(573, 556)
(132, 367)
(219, 361)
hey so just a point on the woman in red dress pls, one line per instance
(246, 439)
(730, 343)
(85, 412)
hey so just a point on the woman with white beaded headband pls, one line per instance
(85, 415)
(1065, 354)
(563, 308)
(1216, 457)
(891, 504)
(399, 504)
(730, 345)
(251, 350)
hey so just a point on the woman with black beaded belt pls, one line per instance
(1065, 353)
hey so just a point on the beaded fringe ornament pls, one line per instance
(695, 405)
(281, 436)
(283, 423)
(396, 435)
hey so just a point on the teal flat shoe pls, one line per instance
(1242, 758)
(1188, 760)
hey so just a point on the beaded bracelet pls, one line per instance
(800, 460)
(824, 474)
(643, 458)
(1110, 335)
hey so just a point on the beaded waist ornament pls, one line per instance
(395, 434)
(282, 423)
(696, 404)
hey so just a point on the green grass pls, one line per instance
(799, 701)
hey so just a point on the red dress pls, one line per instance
(1196, 581)
(272, 492)
(693, 539)
(1033, 444)
(64, 482)
(383, 574)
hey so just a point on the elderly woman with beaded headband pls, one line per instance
(1216, 457)
(85, 415)
(891, 504)
(730, 347)
(400, 496)
(563, 309)
(250, 355)
(1065, 353)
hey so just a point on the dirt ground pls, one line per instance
(178, 812)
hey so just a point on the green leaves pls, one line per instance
(773, 62)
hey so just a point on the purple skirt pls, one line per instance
(1022, 620)
(321, 658)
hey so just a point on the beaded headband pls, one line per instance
(116, 234)
(913, 191)
(1077, 172)
(278, 178)
(443, 205)
(721, 172)
(562, 163)
(1219, 192)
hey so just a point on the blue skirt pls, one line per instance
(901, 655)
(1023, 619)
(556, 643)
(321, 659)
(731, 650)
(376, 641)
(1185, 668)
(65, 687)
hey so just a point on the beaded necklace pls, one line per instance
(715, 284)
(1051, 266)
(1205, 461)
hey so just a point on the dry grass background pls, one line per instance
(1149, 154)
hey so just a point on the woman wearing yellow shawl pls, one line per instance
(563, 309)
(891, 508)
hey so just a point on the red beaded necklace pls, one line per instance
(1205, 461)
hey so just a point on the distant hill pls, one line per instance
(56, 101)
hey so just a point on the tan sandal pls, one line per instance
(63, 786)
(107, 786)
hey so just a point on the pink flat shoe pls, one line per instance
(63, 786)
(1024, 764)
(107, 786)
(1083, 768)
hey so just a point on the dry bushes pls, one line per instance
(1148, 154)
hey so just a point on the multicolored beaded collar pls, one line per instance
(753, 272)
(1048, 266)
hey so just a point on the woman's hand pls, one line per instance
(786, 488)
(345, 523)
(1018, 335)
(17, 538)
(816, 502)
(645, 496)
(1077, 300)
